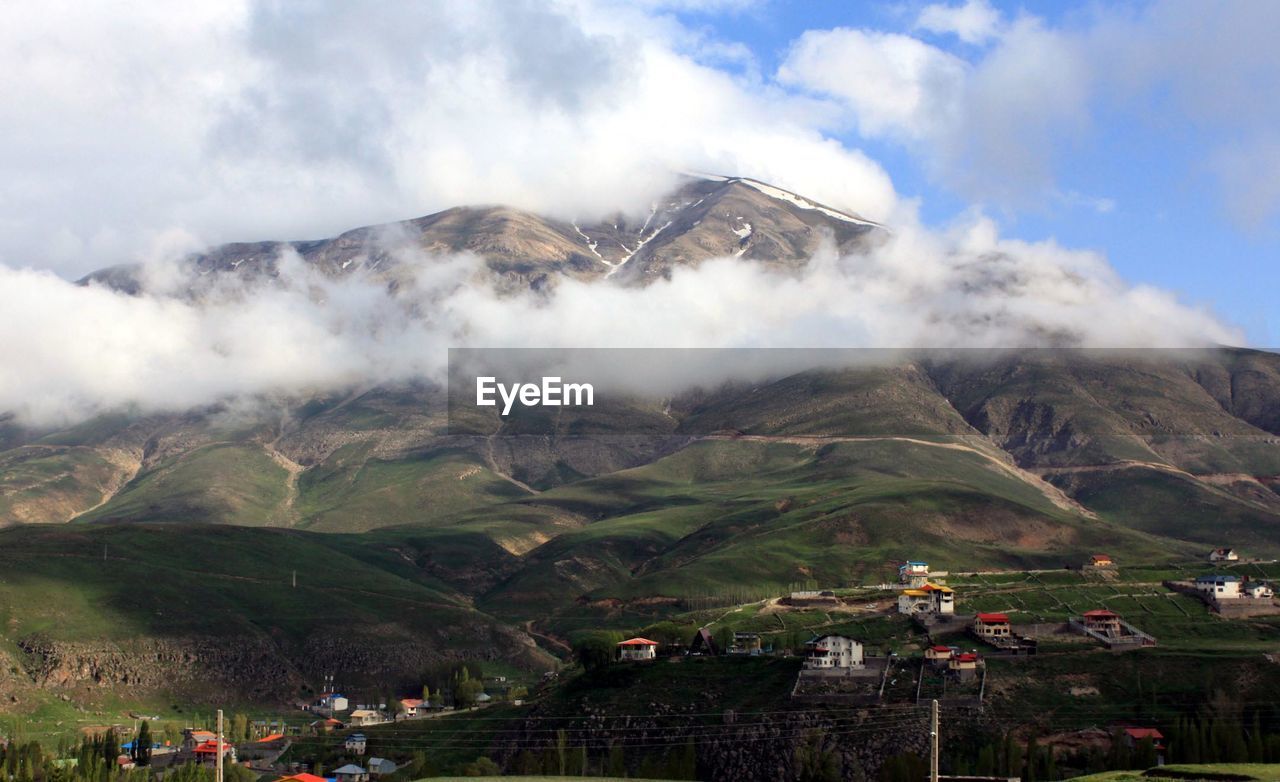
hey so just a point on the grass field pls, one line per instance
(1263, 772)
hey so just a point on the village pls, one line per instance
(929, 637)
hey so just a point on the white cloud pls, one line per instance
(998, 123)
(128, 132)
(974, 22)
(88, 348)
(283, 121)
(894, 84)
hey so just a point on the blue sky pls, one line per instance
(1168, 223)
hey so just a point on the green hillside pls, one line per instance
(146, 605)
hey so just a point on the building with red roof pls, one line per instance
(637, 649)
(1134, 736)
(992, 626)
(1100, 620)
(938, 654)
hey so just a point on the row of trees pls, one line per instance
(561, 759)
(94, 759)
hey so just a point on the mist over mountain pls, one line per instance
(719, 262)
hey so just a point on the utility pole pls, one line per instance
(933, 745)
(217, 769)
(295, 579)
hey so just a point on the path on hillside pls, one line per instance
(1052, 493)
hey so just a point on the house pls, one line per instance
(1104, 622)
(1259, 590)
(1132, 736)
(326, 725)
(355, 744)
(964, 665)
(331, 702)
(302, 778)
(703, 643)
(637, 649)
(929, 598)
(483, 697)
(745, 643)
(1101, 560)
(411, 708)
(834, 651)
(380, 766)
(365, 717)
(1219, 587)
(350, 773)
(913, 574)
(207, 753)
(1224, 555)
(192, 738)
(992, 626)
(938, 654)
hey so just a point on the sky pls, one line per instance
(1120, 162)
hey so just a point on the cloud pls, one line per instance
(89, 348)
(975, 22)
(894, 84)
(267, 120)
(996, 123)
(989, 128)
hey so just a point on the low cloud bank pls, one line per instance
(78, 350)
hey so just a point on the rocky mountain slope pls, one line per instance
(1034, 458)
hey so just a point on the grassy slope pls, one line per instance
(226, 482)
(721, 515)
(1263, 772)
(350, 492)
(173, 580)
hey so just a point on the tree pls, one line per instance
(239, 727)
(1257, 749)
(816, 760)
(466, 691)
(527, 764)
(617, 764)
(1144, 755)
(562, 746)
(593, 653)
(1033, 758)
(481, 767)
(142, 745)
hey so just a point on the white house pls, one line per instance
(928, 599)
(834, 651)
(1219, 587)
(355, 744)
(1259, 590)
(332, 701)
(1223, 555)
(913, 574)
(365, 717)
(637, 649)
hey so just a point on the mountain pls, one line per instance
(703, 218)
(827, 474)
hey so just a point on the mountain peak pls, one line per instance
(705, 217)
